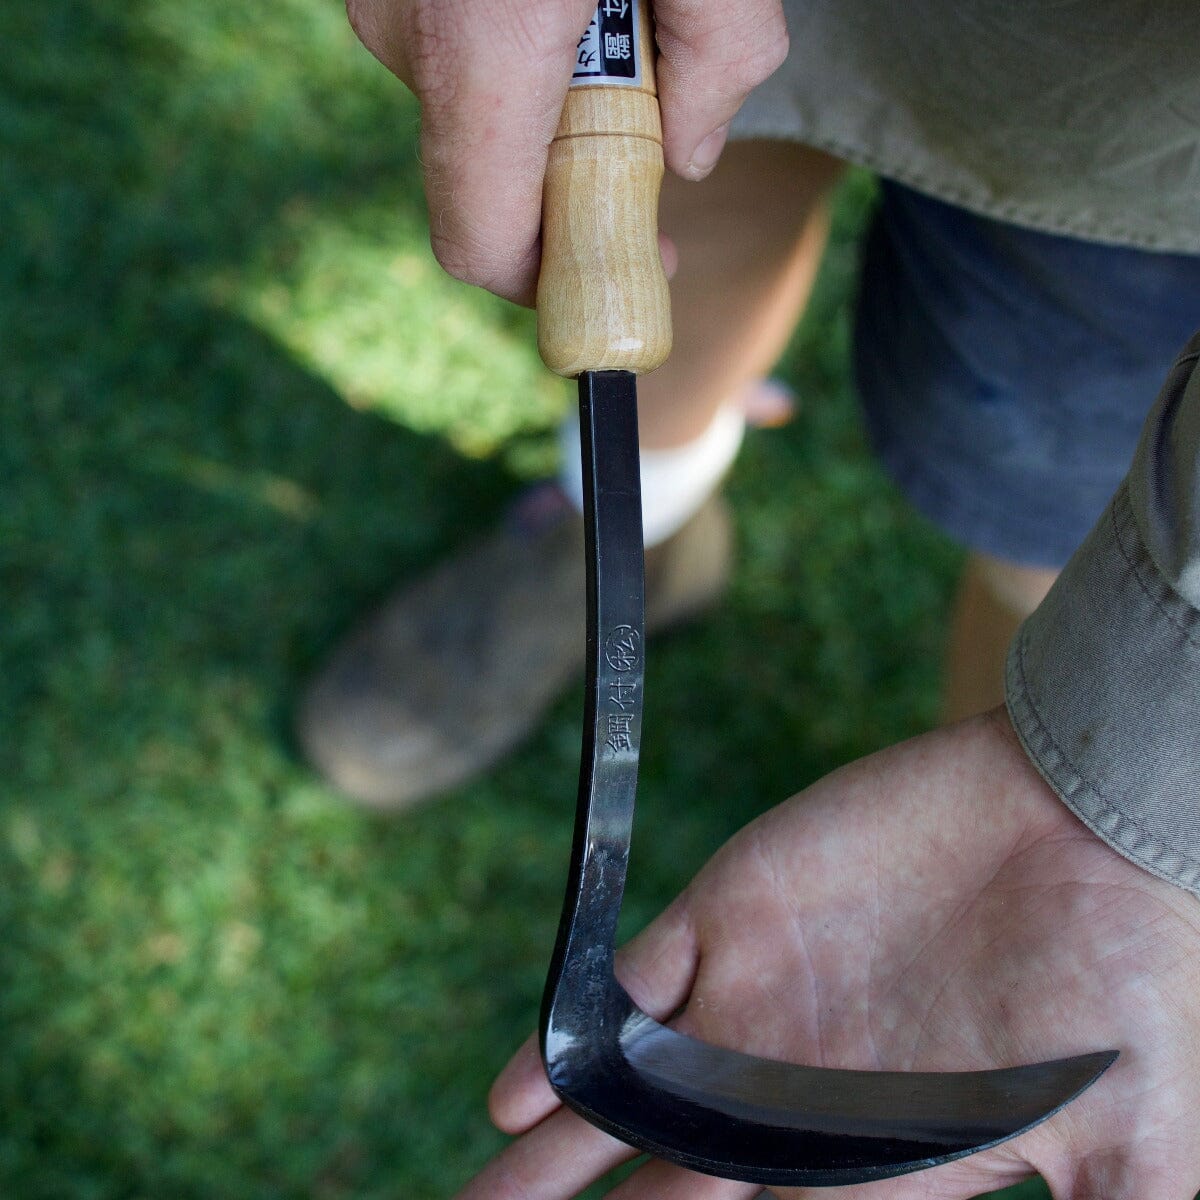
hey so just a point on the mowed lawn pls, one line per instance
(239, 403)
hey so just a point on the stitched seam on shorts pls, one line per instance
(1074, 782)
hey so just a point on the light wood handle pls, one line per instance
(602, 297)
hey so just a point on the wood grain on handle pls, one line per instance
(602, 297)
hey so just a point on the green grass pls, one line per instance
(238, 402)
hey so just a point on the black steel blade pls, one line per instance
(707, 1108)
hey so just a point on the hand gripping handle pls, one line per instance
(602, 296)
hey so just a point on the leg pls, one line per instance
(420, 697)
(750, 239)
(994, 597)
(1003, 374)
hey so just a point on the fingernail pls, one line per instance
(705, 156)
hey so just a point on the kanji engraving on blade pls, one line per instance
(620, 732)
(620, 719)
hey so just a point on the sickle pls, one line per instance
(704, 1107)
(604, 315)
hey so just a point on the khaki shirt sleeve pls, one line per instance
(1103, 680)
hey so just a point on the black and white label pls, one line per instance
(608, 50)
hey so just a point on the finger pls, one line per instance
(491, 76)
(710, 57)
(656, 968)
(659, 1180)
(555, 1160)
(669, 253)
(489, 114)
(521, 1095)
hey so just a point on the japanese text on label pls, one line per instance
(607, 52)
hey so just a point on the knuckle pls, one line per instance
(740, 44)
(360, 14)
(452, 38)
(410, 38)
(773, 49)
(472, 259)
(540, 29)
(760, 49)
(431, 50)
(457, 258)
(481, 230)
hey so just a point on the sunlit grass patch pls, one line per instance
(239, 403)
(362, 303)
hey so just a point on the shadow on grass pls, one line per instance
(216, 979)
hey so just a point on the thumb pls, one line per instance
(711, 55)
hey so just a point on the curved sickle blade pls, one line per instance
(778, 1124)
(704, 1107)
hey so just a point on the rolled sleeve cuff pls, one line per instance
(1102, 688)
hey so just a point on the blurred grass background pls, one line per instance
(238, 402)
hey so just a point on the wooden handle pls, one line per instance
(602, 297)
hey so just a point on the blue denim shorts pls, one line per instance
(1005, 373)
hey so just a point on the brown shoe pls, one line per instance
(458, 667)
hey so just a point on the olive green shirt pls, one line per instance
(1079, 117)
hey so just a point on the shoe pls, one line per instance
(458, 667)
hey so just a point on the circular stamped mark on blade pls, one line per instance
(623, 649)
